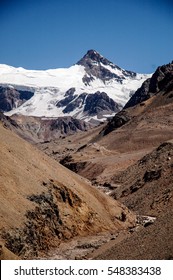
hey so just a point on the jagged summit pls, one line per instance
(98, 66)
(93, 56)
(69, 91)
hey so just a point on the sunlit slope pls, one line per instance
(44, 203)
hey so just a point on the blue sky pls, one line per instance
(134, 34)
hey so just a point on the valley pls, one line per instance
(73, 189)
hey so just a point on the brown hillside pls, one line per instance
(99, 157)
(147, 189)
(43, 203)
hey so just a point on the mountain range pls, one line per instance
(104, 192)
(93, 89)
(130, 159)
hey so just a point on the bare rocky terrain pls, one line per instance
(37, 129)
(119, 205)
(43, 203)
(146, 188)
(130, 159)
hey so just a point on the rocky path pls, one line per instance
(80, 247)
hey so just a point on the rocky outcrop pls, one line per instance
(69, 96)
(146, 187)
(39, 129)
(100, 102)
(43, 203)
(140, 95)
(117, 121)
(46, 221)
(11, 98)
(161, 80)
(78, 102)
(68, 125)
(94, 65)
(8, 122)
(92, 103)
(35, 129)
(68, 162)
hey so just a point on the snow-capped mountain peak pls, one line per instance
(91, 55)
(93, 88)
(97, 66)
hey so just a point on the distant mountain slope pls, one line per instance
(162, 79)
(11, 98)
(43, 203)
(125, 138)
(160, 87)
(38, 129)
(93, 80)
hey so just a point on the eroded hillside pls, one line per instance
(43, 203)
(146, 188)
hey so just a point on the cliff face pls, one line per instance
(162, 80)
(11, 98)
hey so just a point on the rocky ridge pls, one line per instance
(93, 80)
(95, 66)
(118, 159)
(11, 98)
(37, 129)
(162, 79)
